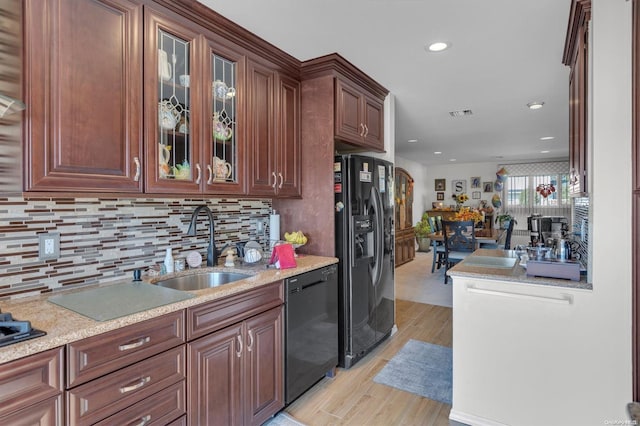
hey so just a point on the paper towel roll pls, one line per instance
(274, 229)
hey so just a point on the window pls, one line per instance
(520, 197)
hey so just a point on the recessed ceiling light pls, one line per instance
(452, 159)
(547, 138)
(544, 152)
(535, 105)
(412, 140)
(437, 152)
(438, 46)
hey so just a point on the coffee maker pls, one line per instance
(542, 228)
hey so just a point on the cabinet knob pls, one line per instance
(199, 173)
(136, 178)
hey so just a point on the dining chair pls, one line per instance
(438, 246)
(507, 239)
(459, 242)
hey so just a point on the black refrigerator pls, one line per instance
(363, 188)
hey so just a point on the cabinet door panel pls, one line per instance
(349, 124)
(260, 131)
(49, 412)
(172, 135)
(83, 70)
(374, 122)
(288, 137)
(264, 372)
(214, 378)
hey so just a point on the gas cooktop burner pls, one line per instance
(12, 331)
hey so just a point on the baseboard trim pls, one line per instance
(470, 419)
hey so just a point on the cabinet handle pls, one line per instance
(210, 170)
(239, 353)
(275, 180)
(136, 344)
(138, 385)
(136, 178)
(143, 420)
(281, 180)
(366, 130)
(362, 129)
(250, 346)
(199, 173)
(564, 299)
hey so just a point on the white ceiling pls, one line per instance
(505, 53)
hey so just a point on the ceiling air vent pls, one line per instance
(460, 113)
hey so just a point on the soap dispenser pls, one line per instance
(168, 261)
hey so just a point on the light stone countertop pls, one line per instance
(515, 274)
(65, 326)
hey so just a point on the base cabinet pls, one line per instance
(31, 390)
(236, 374)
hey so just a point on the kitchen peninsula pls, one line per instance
(508, 329)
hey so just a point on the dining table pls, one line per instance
(483, 235)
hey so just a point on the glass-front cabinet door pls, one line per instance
(223, 134)
(175, 144)
(172, 150)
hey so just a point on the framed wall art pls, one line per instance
(440, 196)
(475, 182)
(487, 186)
(441, 184)
(475, 195)
(459, 186)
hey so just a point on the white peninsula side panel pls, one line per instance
(519, 356)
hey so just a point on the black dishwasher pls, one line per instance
(311, 322)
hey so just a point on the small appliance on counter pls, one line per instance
(13, 331)
(543, 227)
(554, 268)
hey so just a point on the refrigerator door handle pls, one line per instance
(378, 235)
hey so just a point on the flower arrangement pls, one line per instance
(465, 213)
(461, 198)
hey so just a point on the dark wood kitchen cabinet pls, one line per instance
(83, 89)
(359, 116)
(273, 132)
(31, 390)
(405, 235)
(236, 373)
(576, 56)
(135, 374)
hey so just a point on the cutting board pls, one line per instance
(118, 300)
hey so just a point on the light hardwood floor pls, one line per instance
(353, 398)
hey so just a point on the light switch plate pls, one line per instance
(49, 246)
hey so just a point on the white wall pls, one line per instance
(607, 339)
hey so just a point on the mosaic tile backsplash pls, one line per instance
(104, 239)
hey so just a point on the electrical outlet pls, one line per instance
(48, 246)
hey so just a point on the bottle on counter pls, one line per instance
(168, 261)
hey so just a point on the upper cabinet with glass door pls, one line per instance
(191, 107)
(224, 153)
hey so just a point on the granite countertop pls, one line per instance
(517, 273)
(65, 326)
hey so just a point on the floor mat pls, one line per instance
(421, 368)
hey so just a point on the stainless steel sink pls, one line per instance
(201, 281)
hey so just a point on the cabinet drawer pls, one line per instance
(110, 394)
(29, 380)
(98, 355)
(159, 409)
(46, 413)
(208, 317)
